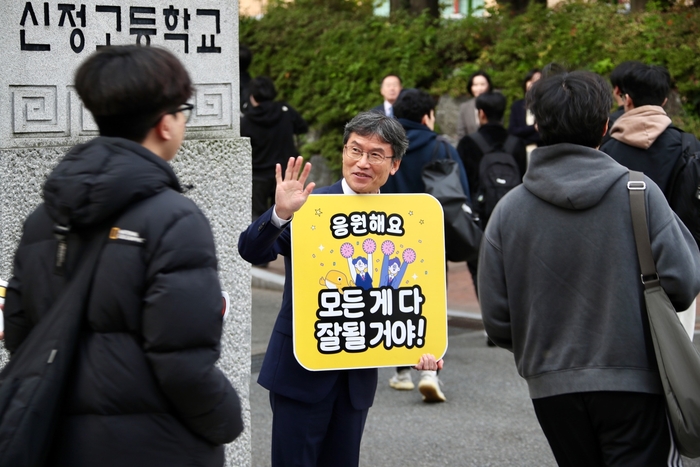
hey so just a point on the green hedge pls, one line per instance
(327, 57)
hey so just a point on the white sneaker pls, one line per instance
(402, 380)
(429, 387)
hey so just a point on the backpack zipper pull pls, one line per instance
(61, 234)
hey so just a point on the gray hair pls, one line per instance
(387, 129)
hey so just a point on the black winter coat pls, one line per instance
(271, 127)
(145, 389)
(657, 161)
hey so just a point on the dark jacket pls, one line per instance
(643, 139)
(518, 124)
(260, 243)
(271, 127)
(611, 121)
(422, 143)
(471, 154)
(559, 279)
(145, 389)
(379, 109)
(243, 83)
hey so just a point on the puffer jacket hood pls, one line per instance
(571, 176)
(266, 114)
(100, 178)
(641, 126)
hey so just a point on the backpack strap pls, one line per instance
(439, 142)
(510, 144)
(689, 144)
(637, 187)
(480, 141)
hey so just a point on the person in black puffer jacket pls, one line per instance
(271, 126)
(144, 389)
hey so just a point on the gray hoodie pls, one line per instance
(559, 279)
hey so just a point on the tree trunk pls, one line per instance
(416, 6)
(518, 7)
(637, 5)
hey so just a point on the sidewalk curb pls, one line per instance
(261, 279)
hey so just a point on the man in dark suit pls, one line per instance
(319, 416)
(390, 90)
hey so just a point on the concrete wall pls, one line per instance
(41, 117)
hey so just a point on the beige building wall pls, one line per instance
(251, 7)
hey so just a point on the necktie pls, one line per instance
(390, 113)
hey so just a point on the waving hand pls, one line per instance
(290, 194)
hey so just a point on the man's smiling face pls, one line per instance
(361, 176)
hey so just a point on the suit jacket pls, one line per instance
(261, 242)
(379, 109)
(467, 122)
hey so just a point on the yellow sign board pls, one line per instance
(368, 281)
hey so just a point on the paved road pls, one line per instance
(487, 420)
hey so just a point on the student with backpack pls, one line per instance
(415, 111)
(494, 160)
(644, 139)
(116, 237)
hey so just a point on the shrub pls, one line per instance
(327, 57)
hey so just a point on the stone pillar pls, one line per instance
(41, 117)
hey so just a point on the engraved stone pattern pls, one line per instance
(44, 42)
(212, 103)
(35, 109)
(81, 118)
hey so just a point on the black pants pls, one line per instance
(607, 429)
(263, 194)
(325, 434)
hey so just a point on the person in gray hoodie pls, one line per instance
(559, 285)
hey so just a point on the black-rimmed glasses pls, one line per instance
(356, 154)
(186, 110)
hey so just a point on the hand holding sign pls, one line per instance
(427, 362)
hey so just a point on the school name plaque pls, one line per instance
(44, 42)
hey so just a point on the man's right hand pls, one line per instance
(290, 194)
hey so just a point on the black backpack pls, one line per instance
(684, 192)
(498, 174)
(33, 383)
(442, 181)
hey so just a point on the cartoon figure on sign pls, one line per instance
(335, 280)
(360, 267)
(392, 268)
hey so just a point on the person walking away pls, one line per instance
(271, 127)
(644, 139)
(559, 285)
(415, 110)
